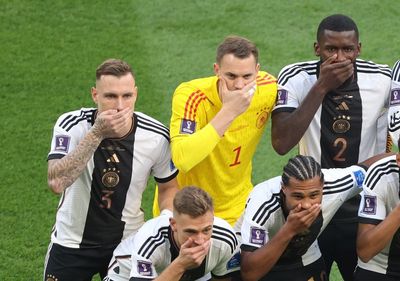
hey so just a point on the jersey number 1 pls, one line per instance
(237, 161)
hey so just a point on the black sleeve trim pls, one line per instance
(55, 156)
(283, 109)
(248, 248)
(167, 179)
(235, 273)
(368, 221)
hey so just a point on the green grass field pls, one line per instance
(49, 52)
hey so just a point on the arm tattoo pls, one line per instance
(63, 172)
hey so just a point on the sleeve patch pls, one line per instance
(257, 236)
(62, 143)
(369, 205)
(282, 98)
(144, 268)
(188, 126)
(395, 97)
(234, 262)
(359, 176)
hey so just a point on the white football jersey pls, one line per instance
(103, 205)
(394, 109)
(154, 248)
(351, 124)
(264, 215)
(379, 197)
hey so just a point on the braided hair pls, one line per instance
(301, 168)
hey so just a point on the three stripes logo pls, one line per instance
(113, 159)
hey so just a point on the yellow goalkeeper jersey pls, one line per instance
(221, 166)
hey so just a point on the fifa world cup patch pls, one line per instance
(257, 236)
(144, 268)
(395, 97)
(62, 143)
(282, 98)
(188, 126)
(359, 176)
(234, 262)
(369, 205)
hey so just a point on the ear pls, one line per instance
(258, 67)
(216, 69)
(172, 222)
(94, 94)
(358, 49)
(317, 49)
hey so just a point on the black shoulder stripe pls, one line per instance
(226, 232)
(310, 68)
(342, 188)
(330, 185)
(148, 125)
(396, 72)
(394, 128)
(149, 246)
(370, 67)
(266, 209)
(221, 236)
(380, 170)
(71, 120)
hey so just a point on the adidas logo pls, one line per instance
(342, 106)
(113, 159)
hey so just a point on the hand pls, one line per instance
(112, 123)
(236, 101)
(299, 220)
(192, 255)
(333, 74)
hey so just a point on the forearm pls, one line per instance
(190, 150)
(255, 265)
(288, 128)
(63, 172)
(371, 240)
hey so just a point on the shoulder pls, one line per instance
(151, 236)
(396, 72)
(337, 180)
(264, 78)
(69, 120)
(199, 84)
(303, 69)
(371, 67)
(264, 200)
(151, 125)
(224, 235)
(383, 168)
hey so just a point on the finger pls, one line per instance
(330, 59)
(250, 88)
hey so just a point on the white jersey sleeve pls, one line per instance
(394, 109)
(294, 83)
(68, 131)
(262, 214)
(227, 252)
(380, 191)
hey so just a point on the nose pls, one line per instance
(199, 239)
(239, 83)
(120, 104)
(340, 55)
(306, 204)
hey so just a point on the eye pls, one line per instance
(348, 50)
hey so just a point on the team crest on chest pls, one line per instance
(262, 118)
(341, 124)
(110, 177)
